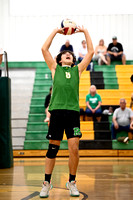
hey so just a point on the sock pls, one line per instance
(47, 177)
(72, 177)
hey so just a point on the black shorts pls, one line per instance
(61, 120)
(115, 58)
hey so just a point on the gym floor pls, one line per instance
(97, 178)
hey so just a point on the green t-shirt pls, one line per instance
(65, 93)
(93, 100)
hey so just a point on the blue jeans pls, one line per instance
(97, 113)
(121, 128)
(88, 67)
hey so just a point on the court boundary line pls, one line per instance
(36, 193)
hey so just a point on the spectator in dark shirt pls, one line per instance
(46, 105)
(67, 46)
(115, 52)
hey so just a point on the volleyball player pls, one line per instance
(64, 108)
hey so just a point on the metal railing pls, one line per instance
(4, 66)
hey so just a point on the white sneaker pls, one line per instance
(47, 119)
(126, 139)
(72, 188)
(46, 186)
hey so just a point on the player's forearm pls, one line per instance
(49, 40)
(90, 48)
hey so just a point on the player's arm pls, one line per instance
(90, 51)
(45, 50)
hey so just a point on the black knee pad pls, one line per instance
(52, 151)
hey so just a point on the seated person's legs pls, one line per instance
(108, 57)
(88, 112)
(123, 59)
(98, 114)
(121, 128)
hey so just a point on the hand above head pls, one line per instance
(59, 30)
(80, 29)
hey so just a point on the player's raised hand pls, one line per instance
(60, 30)
(80, 29)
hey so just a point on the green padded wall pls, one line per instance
(6, 153)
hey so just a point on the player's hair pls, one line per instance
(58, 58)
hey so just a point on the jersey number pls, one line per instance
(68, 75)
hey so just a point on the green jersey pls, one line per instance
(65, 93)
(93, 100)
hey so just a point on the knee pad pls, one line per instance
(52, 151)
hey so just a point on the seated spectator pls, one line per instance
(1, 57)
(115, 52)
(67, 46)
(131, 103)
(108, 111)
(46, 105)
(82, 53)
(100, 52)
(93, 103)
(122, 121)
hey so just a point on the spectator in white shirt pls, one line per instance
(82, 51)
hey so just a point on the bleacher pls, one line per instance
(112, 82)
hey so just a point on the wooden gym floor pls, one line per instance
(103, 178)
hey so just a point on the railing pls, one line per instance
(4, 66)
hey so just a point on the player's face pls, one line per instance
(67, 59)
